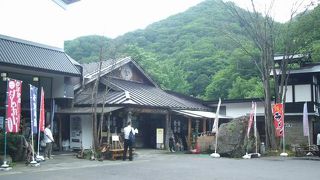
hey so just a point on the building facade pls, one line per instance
(41, 66)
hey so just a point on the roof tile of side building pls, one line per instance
(25, 54)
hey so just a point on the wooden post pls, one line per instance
(189, 132)
(167, 131)
(197, 130)
(60, 133)
(204, 125)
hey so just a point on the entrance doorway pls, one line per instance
(147, 125)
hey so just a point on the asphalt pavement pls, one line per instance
(160, 164)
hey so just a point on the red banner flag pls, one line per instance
(14, 106)
(278, 119)
(42, 112)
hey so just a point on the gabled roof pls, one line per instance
(134, 93)
(91, 70)
(29, 55)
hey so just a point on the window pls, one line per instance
(302, 93)
(289, 97)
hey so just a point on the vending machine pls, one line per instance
(75, 132)
(81, 132)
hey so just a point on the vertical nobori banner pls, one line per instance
(305, 120)
(42, 112)
(251, 119)
(278, 119)
(14, 106)
(33, 108)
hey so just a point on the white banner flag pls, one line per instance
(216, 120)
(305, 120)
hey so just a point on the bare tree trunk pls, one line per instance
(269, 128)
(95, 104)
(109, 76)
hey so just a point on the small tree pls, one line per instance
(95, 104)
(97, 132)
(105, 95)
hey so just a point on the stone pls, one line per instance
(232, 140)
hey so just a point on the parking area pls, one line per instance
(155, 164)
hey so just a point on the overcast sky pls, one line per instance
(45, 22)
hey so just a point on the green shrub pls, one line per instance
(15, 146)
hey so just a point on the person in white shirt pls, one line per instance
(318, 143)
(127, 142)
(48, 139)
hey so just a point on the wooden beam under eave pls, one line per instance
(204, 125)
(189, 132)
(60, 133)
(167, 131)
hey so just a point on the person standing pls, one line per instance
(48, 139)
(127, 142)
(318, 143)
(171, 144)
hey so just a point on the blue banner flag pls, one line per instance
(33, 109)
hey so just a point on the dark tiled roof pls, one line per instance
(138, 94)
(17, 52)
(91, 70)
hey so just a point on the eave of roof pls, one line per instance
(137, 94)
(311, 68)
(210, 102)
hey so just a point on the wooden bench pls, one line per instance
(304, 150)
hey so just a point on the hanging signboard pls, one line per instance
(160, 134)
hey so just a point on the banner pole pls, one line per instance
(5, 165)
(32, 143)
(39, 138)
(32, 111)
(216, 123)
(40, 122)
(255, 126)
(284, 154)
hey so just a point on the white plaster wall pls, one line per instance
(240, 109)
(87, 137)
(289, 95)
(302, 93)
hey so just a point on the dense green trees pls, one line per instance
(194, 52)
(87, 48)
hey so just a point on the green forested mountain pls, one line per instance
(193, 52)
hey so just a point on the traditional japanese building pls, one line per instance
(131, 94)
(303, 87)
(41, 66)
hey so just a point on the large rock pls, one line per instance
(232, 140)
